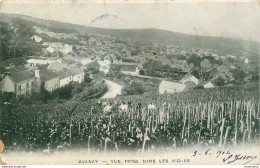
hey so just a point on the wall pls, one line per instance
(52, 84)
(24, 89)
(78, 78)
(8, 85)
(65, 81)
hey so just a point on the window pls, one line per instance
(70, 78)
(27, 85)
(19, 88)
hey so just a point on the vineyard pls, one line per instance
(224, 116)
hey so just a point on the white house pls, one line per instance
(232, 56)
(171, 87)
(34, 62)
(64, 48)
(71, 75)
(191, 78)
(129, 68)
(48, 78)
(208, 85)
(20, 83)
(104, 66)
(77, 75)
(36, 38)
(246, 61)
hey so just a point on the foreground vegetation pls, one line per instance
(220, 116)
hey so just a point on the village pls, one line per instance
(177, 68)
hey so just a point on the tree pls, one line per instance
(87, 78)
(65, 92)
(45, 95)
(220, 81)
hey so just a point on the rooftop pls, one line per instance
(22, 76)
(46, 75)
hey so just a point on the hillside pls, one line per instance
(222, 45)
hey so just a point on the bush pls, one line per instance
(134, 90)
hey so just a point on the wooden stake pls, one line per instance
(182, 135)
(221, 132)
(226, 135)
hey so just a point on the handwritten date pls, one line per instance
(226, 156)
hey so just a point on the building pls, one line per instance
(57, 66)
(208, 85)
(71, 75)
(77, 75)
(65, 77)
(20, 83)
(36, 38)
(171, 87)
(104, 66)
(48, 78)
(190, 78)
(129, 68)
(246, 60)
(35, 62)
(232, 56)
(55, 47)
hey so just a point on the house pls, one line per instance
(190, 78)
(65, 77)
(208, 85)
(129, 68)
(104, 66)
(212, 73)
(48, 78)
(246, 60)
(20, 83)
(36, 38)
(171, 87)
(57, 66)
(232, 56)
(55, 47)
(71, 75)
(77, 75)
(35, 62)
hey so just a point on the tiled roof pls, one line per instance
(46, 75)
(69, 72)
(22, 76)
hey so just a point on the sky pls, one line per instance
(210, 18)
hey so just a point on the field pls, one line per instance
(224, 116)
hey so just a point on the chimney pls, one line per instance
(37, 73)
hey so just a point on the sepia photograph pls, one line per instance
(120, 82)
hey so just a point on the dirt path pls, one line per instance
(114, 89)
